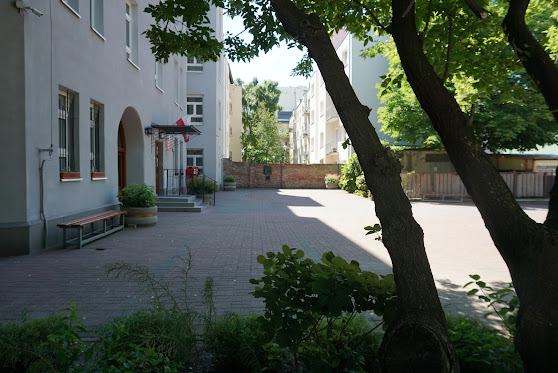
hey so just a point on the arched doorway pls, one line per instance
(121, 157)
(131, 149)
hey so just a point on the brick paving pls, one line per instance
(224, 242)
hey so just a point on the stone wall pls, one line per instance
(278, 175)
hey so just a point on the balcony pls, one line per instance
(331, 112)
(331, 148)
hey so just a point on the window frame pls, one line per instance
(194, 66)
(129, 31)
(159, 76)
(190, 158)
(75, 11)
(68, 137)
(194, 112)
(95, 18)
(96, 125)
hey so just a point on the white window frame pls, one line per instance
(129, 30)
(195, 65)
(68, 132)
(193, 159)
(192, 108)
(97, 17)
(73, 6)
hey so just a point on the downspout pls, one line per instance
(42, 195)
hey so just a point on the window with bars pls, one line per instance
(96, 137)
(68, 132)
(194, 107)
(194, 64)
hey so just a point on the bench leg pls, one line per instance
(80, 236)
(64, 237)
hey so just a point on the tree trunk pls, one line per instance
(530, 250)
(418, 339)
(531, 54)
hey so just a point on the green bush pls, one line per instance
(159, 331)
(201, 185)
(349, 175)
(309, 307)
(22, 345)
(228, 179)
(138, 195)
(236, 343)
(481, 348)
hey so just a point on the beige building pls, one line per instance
(235, 123)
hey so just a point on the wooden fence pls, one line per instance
(522, 184)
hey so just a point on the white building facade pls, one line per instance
(82, 98)
(317, 133)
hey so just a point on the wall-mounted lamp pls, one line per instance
(148, 131)
(162, 135)
(21, 6)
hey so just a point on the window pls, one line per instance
(159, 75)
(96, 137)
(194, 64)
(194, 158)
(131, 31)
(68, 132)
(97, 19)
(194, 107)
(176, 79)
(73, 5)
(321, 140)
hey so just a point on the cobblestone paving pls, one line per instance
(225, 240)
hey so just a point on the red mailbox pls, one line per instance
(191, 172)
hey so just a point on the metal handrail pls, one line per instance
(174, 181)
(204, 178)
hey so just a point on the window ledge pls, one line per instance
(98, 178)
(72, 9)
(98, 34)
(68, 180)
(160, 89)
(133, 64)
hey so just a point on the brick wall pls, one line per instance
(294, 176)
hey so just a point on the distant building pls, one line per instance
(317, 131)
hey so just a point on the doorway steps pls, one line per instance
(181, 204)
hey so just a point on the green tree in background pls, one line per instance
(260, 135)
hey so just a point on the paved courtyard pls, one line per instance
(225, 240)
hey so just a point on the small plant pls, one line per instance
(138, 195)
(202, 185)
(376, 228)
(481, 348)
(229, 179)
(309, 306)
(504, 302)
(349, 173)
(331, 179)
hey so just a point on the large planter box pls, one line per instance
(332, 186)
(141, 216)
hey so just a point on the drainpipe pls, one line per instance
(42, 195)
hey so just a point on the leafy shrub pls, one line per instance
(138, 195)
(236, 343)
(161, 334)
(202, 185)
(228, 179)
(331, 178)
(22, 345)
(140, 359)
(481, 348)
(352, 177)
(310, 305)
(504, 302)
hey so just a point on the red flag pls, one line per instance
(184, 121)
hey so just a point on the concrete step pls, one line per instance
(185, 198)
(198, 208)
(178, 204)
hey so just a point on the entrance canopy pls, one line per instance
(172, 129)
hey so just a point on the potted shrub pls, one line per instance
(331, 181)
(229, 183)
(203, 187)
(139, 200)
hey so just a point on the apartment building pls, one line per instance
(86, 110)
(316, 130)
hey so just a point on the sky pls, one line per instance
(276, 65)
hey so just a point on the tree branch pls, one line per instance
(408, 8)
(478, 10)
(373, 15)
(552, 216)
(423, 33)
(531, 53)
(472, 115)
(448, 54)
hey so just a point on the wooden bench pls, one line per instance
(105, 217)
(442, 197)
